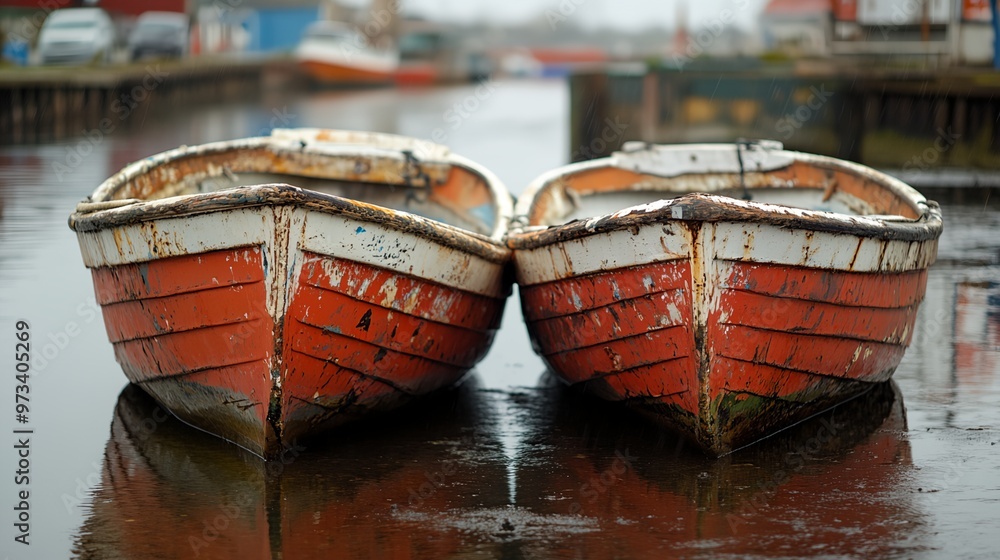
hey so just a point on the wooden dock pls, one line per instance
(893, 118)
(50, 103)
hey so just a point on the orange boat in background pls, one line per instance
(264, 312)
(334, 53)
(727, 291)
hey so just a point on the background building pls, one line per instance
(943, 32)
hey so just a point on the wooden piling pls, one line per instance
(877, 118)
(41, 104)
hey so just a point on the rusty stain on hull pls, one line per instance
(236, 304)
(795, 300)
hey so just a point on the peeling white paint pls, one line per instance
(598, 252)
(401, 252)
(388, 290)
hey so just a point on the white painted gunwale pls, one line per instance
(600, 253)
(294, 141)
(402, 252)
(615, 240)
(115, 232)
(605, 251)
(326, 234)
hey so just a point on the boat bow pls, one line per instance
(722, 317)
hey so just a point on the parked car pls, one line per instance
(159, 35)
(76, 36)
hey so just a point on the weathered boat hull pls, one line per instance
(724, 319)
(334, 73)
(333, 53)
(268, 313)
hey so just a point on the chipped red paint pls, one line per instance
(199, 321)
(723, 318)
(543, 301)
(419, 298)
(263, 313)
(626, 318)
(879, 324)
(776, 333)
(831, 356)
(854, 289)
(358, 336)
(786, 333)
(783, 327)
(622, 334)
(359, 339)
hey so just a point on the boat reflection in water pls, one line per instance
(169, 491)
(977, 332)
(553, 474)
(834, 485)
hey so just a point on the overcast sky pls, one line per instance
(620, 14)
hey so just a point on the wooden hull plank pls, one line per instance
(268, 312)
(725, 319)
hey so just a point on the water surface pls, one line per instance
(509, 464)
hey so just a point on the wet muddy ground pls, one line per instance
(509, 464)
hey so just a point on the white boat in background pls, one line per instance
(333, 52)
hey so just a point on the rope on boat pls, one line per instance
(87, 207)
(408, 178)
(739, 158)
(751, 145)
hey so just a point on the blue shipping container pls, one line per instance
(279, 29)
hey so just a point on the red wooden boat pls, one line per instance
(264, 312)
(737, 290)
